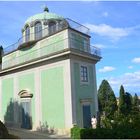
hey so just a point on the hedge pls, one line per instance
(104, 133)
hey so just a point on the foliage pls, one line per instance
(128, 101)
(122, 101)
(107, 99)
(75, 132)
(136, 103)
(105, 133)
(123, 123)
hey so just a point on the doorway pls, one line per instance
(86, 116)
(26, 114)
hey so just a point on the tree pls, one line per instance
(107, 99)
(128, 101)
(136, 103)
(122, 101)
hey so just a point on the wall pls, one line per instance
(7, 97)
(52, 92)
(84, 92)
(49, 84)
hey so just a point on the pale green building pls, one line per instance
(48, 77)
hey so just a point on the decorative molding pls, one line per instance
(86, 101)
(25, 94)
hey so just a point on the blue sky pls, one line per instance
(114, 26)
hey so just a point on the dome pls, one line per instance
(43, 16)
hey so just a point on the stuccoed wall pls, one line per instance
(52, 94)
(46, 83)
(84, 91)
(27, 81)
(7, 97)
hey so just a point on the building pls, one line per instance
(48, 78)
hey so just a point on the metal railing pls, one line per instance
(46, 32)
(51, 49)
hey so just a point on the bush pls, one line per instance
(104, 133)
(75, 132)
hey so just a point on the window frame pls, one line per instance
(84, 74)
(37, 30)
(27, 34)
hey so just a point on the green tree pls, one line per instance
(107, 99)
(128, 101)
(136, 103)
(122, 101)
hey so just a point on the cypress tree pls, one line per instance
(128, 101)
(122, 101)
(136, 103)
(107, 99)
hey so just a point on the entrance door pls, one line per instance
(86, 116)
(26, 115)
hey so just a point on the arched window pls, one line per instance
(38, 31)
(52, 27)
(27, 34)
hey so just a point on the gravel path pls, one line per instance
(26, 134)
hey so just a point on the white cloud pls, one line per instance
(101, 46)
(136, 60)
(107, 69)
(130, 67)
(105, 14)
(114, 33)
(131, 81)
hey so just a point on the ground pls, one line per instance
(26, 134)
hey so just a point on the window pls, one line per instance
(27, 34)
(52, 27)
(84, 74)
(38, 31)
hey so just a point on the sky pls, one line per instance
(114, 28)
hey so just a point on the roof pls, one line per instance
(43, 16)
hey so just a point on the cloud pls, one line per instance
(136, 60)
(105, 14)
(107, 69)
(101, 46)
(131, 81)
(130, 67)
(114, 33)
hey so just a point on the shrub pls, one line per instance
(75, 132)
(104, 133)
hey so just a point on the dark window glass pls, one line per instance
(38, 31)
(27, 34)
(52, 27)
(84, 74)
